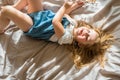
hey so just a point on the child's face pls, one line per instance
(85, 35)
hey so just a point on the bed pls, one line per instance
(24, 58)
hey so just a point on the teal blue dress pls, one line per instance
(42, 27)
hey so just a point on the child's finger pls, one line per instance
(79, 1)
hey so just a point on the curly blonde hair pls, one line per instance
(86, 54)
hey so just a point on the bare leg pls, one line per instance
(34, 5)
(3, 23)
(22, 20)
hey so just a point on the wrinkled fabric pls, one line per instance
(24, 58)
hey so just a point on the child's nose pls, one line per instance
(85, 32)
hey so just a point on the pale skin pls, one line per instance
(24, 22)
(82, 35)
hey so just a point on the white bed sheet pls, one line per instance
(24, 58)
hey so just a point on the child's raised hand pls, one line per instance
(68, 4)
(71, 3)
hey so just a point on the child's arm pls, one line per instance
(20, 4)
(58, 27)
(73, 21)
(65, 9)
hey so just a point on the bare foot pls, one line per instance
(2, 31)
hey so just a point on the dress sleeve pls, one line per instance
(67, 38)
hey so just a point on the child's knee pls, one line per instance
(6, 9)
